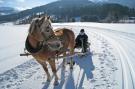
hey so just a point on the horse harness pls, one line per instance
(41, 44)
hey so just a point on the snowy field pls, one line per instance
(110, 65)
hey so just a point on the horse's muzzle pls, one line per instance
(55, 45)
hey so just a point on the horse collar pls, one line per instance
(30, 49)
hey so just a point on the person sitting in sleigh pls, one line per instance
(82, 41)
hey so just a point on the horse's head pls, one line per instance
(41, 28)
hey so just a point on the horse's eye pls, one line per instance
(47, 30)
(47, 27)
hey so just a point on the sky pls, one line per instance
(23, 4)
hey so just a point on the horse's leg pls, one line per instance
(44, 65)
(53, 67)
(64, 60)
(71, 46)
(47, 72)
(71, 60)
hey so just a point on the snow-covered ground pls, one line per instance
(110, 65)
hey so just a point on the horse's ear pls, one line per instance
(48, 17)
(39, 16)
(43, 18)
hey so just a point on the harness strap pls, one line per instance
(30, 49)
(57, 55)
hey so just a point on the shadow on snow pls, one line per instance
(86, 64)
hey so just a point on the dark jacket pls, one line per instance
(81, 38)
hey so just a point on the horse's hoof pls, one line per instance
(48, 80)
(56, 83)
(71, 67)
(68, 62)
(73, 62)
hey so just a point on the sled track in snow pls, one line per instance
(127, 67)
(130, 68)
(128, 73)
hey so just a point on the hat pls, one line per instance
(82, 30)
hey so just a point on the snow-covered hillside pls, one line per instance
(7, 10)
(110, 65)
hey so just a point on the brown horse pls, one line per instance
(44, 44)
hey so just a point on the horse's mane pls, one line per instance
(32, 25)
